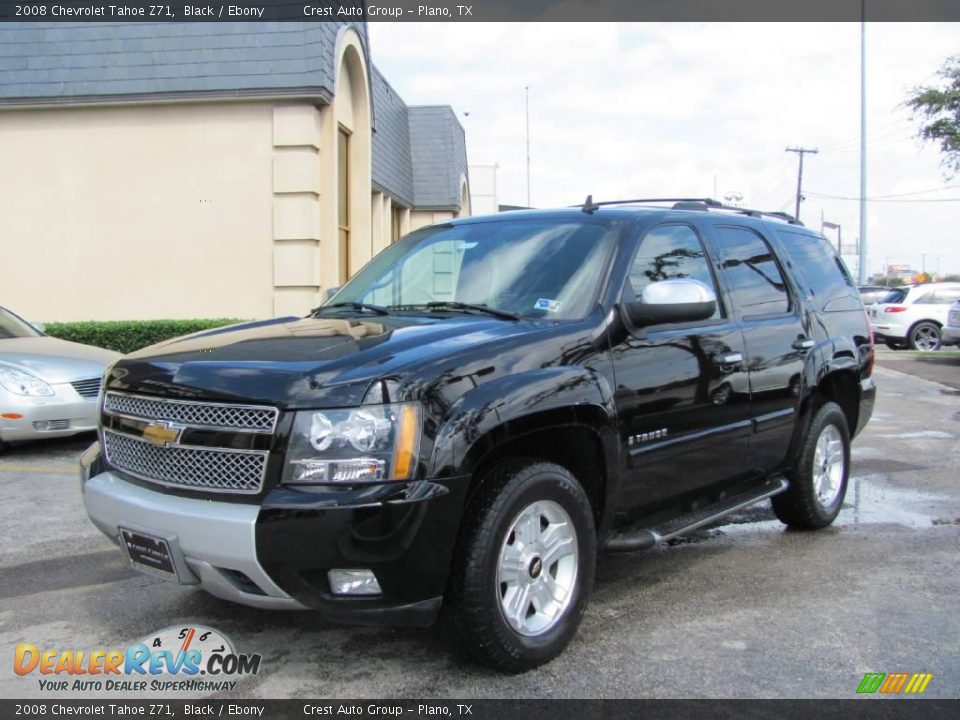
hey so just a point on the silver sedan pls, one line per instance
(48, 387)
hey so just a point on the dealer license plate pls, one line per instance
(149, 554)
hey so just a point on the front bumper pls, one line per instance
(63, 414)
(208, 539)
(276, 555)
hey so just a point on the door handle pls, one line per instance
(802, 343)
(728, 359)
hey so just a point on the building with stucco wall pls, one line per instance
(206, 170)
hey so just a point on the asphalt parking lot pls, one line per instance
(744, 609)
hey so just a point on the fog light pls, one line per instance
(353, 582)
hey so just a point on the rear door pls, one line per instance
(774, 337)
(682, 394)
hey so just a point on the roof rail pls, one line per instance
(701, 204)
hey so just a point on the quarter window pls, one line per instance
(668, 252)
(751, 272)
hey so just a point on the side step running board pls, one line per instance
(644, 538)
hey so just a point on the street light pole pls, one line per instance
(862, 269)
(527, 98)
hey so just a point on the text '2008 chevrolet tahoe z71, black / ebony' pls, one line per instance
(482, 408)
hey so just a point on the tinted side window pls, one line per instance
(667, 252)
(751, 272)
(948, 295)
(820, 271)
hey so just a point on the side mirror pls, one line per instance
(39, 327)
(330, 292)
(673, 301)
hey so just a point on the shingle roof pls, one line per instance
(419, 153)
(49, 61)
(439, 156)
(392, 168)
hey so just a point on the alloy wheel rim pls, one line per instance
(925, 338)
(828, 466)
(537, 568)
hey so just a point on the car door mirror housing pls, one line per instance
(330, 292)
(673, 301)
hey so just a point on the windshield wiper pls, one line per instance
(469, 307)
(375, 309)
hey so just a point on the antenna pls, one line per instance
(589, 206)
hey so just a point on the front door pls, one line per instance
(682, 394)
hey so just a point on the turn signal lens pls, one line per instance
(405, 452)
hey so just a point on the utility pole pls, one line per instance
(800, 152)
(527, 93)
(861, 270)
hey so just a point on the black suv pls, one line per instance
(482, 408)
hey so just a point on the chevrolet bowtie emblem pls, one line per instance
(161, 433)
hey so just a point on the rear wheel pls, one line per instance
(818, 480)
(524, 566)
(925, 336)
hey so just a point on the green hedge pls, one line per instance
(128, 335)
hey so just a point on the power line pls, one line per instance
(884, 200)
(884, 197)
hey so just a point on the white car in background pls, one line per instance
(48, 387)
(951, 331)
(913, 316)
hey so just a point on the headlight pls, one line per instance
(21, 383)
(374, 443)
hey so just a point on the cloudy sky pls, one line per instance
(640, 110)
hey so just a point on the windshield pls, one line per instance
(13, 327)
(530, 268)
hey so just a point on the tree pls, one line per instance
(938, 109)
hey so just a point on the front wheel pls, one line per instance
(818, 480)
(524, 566)
(925, 336)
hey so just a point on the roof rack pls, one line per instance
(698, 204)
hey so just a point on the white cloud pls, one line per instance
(626, 110)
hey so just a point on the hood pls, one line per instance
(55, 361)
(298, 362)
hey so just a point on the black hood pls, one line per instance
(293, 362)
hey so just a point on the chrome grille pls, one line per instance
(201, 468)
(88, 388)
(247, 418)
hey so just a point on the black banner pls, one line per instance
(478, 10)
(489, 709)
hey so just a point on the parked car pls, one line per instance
(870, 294)
(913, 316)
(482, 408)
(48, 387)
(950, 335)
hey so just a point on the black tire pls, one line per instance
(801, 506)
(472, 607)
(924, 336)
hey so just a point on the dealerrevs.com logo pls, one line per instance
(187, 659)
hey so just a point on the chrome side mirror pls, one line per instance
(673, 301)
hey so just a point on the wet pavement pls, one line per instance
(744, 608)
